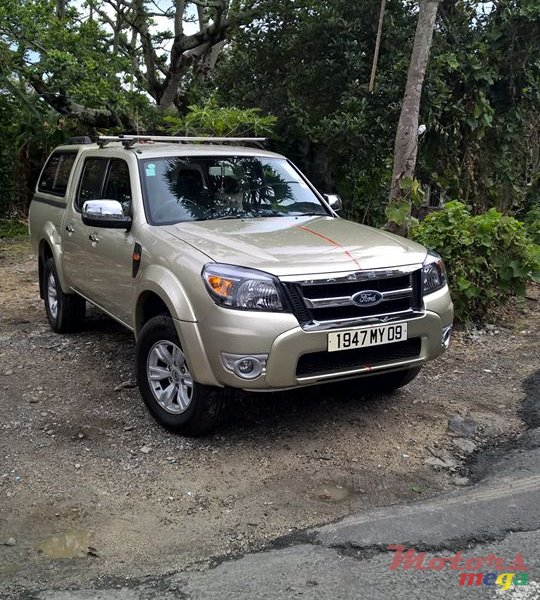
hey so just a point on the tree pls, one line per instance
(308, 62)
(100, 63)
(406, 142)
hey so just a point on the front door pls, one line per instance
(110, 251)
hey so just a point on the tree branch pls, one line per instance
(92, 117)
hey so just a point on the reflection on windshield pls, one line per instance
(201, 188)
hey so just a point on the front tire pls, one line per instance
(174, 399)
(65, 312)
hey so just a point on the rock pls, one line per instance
(464, 445)
(81, 436)
(125, 385)
(146, 449)
(10, 542)
(77, 465)
(129, 428)
(7, 373)
(462, 426)
(441, 463)
(460, 481)
(33, 400)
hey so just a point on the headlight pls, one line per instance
(433, 273)
(238, 287)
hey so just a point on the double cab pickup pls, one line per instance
(232, 271)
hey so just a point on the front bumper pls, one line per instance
(280, 337)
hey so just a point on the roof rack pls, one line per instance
(128, 141)
(81, 139)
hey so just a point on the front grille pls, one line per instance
(316, 303)
(350, 312)
(323, 363)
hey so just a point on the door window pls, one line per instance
(91, 181)
(118, 184)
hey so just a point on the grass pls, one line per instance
(13, 228)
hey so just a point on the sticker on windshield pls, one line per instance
(151, 170)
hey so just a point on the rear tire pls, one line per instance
(174, 399)
(65, 312)
(389, 382)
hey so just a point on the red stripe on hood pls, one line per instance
(334, 243)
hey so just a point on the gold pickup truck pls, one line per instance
(232, 271)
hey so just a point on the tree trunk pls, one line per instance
(406, 144)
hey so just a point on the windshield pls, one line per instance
(201, 188)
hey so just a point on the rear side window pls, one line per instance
(55, 175)
(91, 180)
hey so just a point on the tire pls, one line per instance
(389, 382)
(174, 399)
(65, 312)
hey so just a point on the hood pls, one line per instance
(298, 245)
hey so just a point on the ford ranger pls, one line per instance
(232, 271)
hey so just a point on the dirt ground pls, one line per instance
(91, 489)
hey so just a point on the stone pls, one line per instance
(464, 445)
(446, 463)
(462, 426)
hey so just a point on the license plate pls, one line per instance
(367, 336)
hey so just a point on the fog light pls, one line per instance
(246, 367)
(446, 337)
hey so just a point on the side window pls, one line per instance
(118, 184)
(91, 181)
(55, 175)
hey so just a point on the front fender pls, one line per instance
(158, 279)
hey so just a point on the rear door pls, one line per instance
(75, 234)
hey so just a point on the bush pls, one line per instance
(532, 223)
(12, 228)
(489, 257)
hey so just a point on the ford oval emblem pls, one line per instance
(367, 298)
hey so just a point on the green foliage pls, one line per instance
(72, 53)
(481, 104)
(212, 119)
(489, 257)
(308, 62)
(12, 228)
(398, 211)
(532, 223)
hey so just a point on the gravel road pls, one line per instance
(92, 489)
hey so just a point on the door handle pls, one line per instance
(70, 228)
(93, 238)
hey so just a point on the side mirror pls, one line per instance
(335, 202)
(105, 213)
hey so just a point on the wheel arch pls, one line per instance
(44, 253)
(50, 246)
(159, 292)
